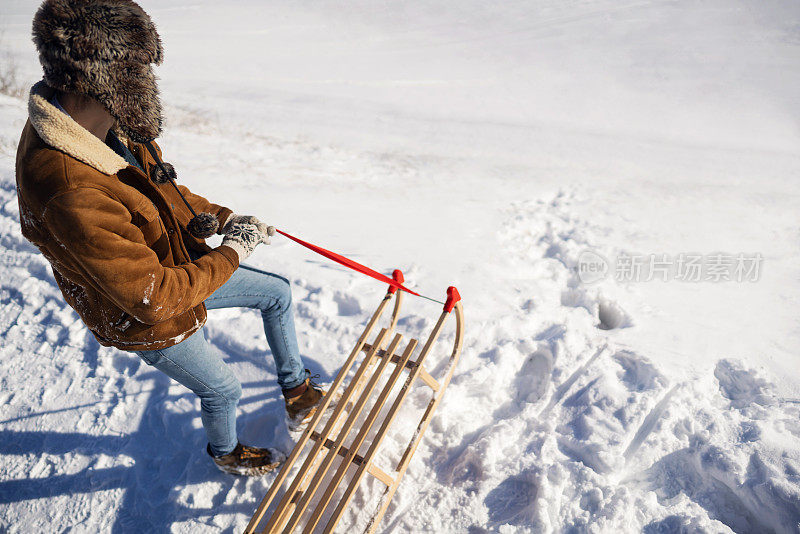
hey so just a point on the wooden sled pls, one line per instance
(339, 447)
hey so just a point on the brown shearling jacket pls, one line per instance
(115, 239)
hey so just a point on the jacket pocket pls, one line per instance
(145, 216)
(144, 213)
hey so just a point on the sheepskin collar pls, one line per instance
(61, 132)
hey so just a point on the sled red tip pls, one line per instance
(452, 297)
(398, 277)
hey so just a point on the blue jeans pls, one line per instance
(198, 366)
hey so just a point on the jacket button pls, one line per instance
(171, 231)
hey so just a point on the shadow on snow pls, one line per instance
(167, 454)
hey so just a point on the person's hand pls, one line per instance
(244, 238)
(247, 219)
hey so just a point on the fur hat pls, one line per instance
(103, 49)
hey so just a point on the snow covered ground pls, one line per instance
(497, 147)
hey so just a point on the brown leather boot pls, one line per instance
(248, 461)
(301, 403)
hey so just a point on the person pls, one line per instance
(126, 244)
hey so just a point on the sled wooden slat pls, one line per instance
(424, 375)
(362, 434)
(345, 500)
(423, 425)
(322, 470)
(394, 358)
(343, 451)
(298, 449)
(380, 474)
(353, 389)
(372, 469)
(358, 421)
(428, 379)
(277, 520)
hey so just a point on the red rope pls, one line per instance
(347, 262)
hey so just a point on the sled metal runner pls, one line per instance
(340, 446)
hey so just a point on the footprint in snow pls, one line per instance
(533, 377)
(611, 315)
(638, 373)
(742, 386)
(530, 383)
(513, 501)
(347, 304)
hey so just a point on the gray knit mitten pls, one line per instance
(246, 219)
(244, 238)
